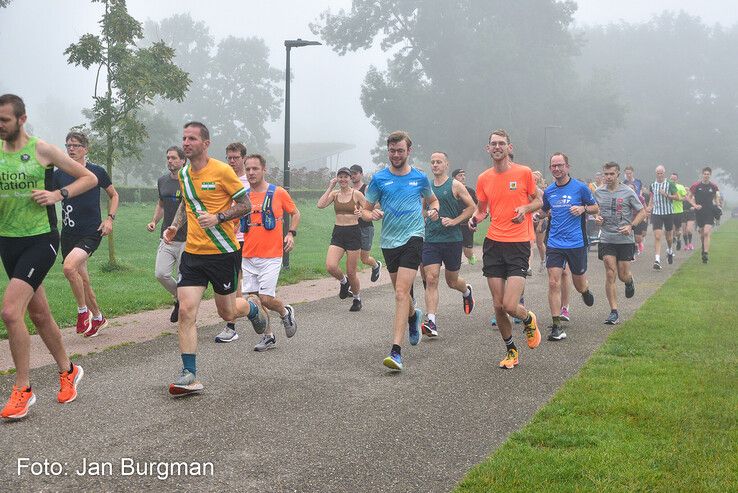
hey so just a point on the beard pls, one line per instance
(11, 135)
(400, 164)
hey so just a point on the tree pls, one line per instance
(462, 68)
(132, 78)
(4, 3)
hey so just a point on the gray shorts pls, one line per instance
(367, 237)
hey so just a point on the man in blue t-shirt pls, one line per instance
(568, 201)
(400, 189)
(82, 232)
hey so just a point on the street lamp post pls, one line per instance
(545, 143)
(289, 44)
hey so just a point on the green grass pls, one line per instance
(654, 409)
(133, 287)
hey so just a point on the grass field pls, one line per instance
(654, 409)
(135, 288)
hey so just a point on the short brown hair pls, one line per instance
(19, 107)
(79, 137)
(629, 168)
(259, 157)
(707, 168)
(566, 158)
(399, 136)
(204, 132)
(612, 164)
(237, 147)
(500, 133)
(179, 151)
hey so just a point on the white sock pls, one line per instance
(658, 258)
(432, 317)
(97, 317)
(467, 292)
(82, 309)
(344, 280)
(357, 297)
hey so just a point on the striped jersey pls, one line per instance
(211, 189)
(662, 205)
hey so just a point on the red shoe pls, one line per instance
(69, 381)
(84, 322)
(96, 327)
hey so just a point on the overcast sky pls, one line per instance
(326, 87)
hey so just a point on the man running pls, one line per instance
(264, 245)
(620, 211)
(82, 233)
(400, 188)
(466, 233)
(508, 192)
(443, 241)
(213, 197)
(678, 208)
(168, 255)
(660, 206)
(366, 227)
(704, 193)
(28, 243)
(569, 202)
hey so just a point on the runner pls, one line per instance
(400, 189)
(236, 155)
(28, 243)
(209, 187)
(688, 223)
(704, 193)
(367, 228)
(620, 211)
(660, 206)
(569, 202)
(466, 233)
(540, 225)
(508, 192)
(82, 233)
(346, 236)
(168, 256)
(678, 208)
(264, 244)
(444, 241)
(639, 230)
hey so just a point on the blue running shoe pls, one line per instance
(517, 321)
(414, 327)
(393, 361)
(493, 320)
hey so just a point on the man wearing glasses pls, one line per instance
(82, 232)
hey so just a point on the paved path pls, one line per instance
(319, 413)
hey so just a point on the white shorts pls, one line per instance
(260, 275)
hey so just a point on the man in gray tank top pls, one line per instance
(443, 240)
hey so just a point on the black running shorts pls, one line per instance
(30, 258)
(407, 255)
(575, 257)
(623, 252)
(705, 216)
(88, 243)
(505, 259)
(347, 237)
(219, 269)
(665, 221)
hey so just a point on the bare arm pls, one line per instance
(48, 154)
(433, 205)
(289, 240)
(460, 192)
(158, 214)
(106, 227)
(328, 197)
(180, 217)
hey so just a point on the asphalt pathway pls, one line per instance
(319, 412)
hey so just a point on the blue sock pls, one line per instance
(253, 310)
(188, 362)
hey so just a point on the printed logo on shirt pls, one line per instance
(413, 183)
(25, 157)
(208, 185)
(513, 185)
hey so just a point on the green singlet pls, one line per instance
(20, 173)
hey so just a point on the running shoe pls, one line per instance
(472, 260)
(289, 322)
(468, 300)
(376, 271)
(613, 318)
(267, 342)
(185, 384)
(18, 404)
(355, 305)
(704, 257)
(413, 327)
(393, 361)
(517, 321)
(557, 333)
(429, 328)
(227, 335)
(261, 321)
(630, 289)
(174, 317)
(670, 257)
(493, 321)
(84, 321)
(69, 381)
(511, 360)
(96, 326)
(656, 265)
(531, 331)
(588, 298)
(565, 315)
(344, 290)
(542, 267)
(529, 272)
(679, 244)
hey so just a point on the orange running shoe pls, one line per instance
(69, 381)
(531, 332)
(18, 404)
(511, 360)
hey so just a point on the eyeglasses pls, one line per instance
(73, 146)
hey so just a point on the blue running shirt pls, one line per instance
(400, 199)
(565, 229)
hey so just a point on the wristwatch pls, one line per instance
(293, 233)
(64, 193)
(112, 216)
(221, 217)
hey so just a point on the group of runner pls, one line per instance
(223, 225)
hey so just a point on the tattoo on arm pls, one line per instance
(241, 207)
(180, 217)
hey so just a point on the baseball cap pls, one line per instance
(456, 172)
(343, 170)
(357, 169)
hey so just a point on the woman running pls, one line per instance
(346, 236)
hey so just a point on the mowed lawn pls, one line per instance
(654, 409)
(134, 288)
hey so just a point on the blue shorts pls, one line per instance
(447, 253)
(575, 257)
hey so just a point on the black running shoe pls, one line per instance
(376, 271)
(670, 257)
(557, 333)
(679, 243)
(657, 265)
(356, 305)
(468, 300)
(704, 257)
(630, 288)
(588, 298)
(345, 290)
(174, 317)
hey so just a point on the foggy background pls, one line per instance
(326, 87)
